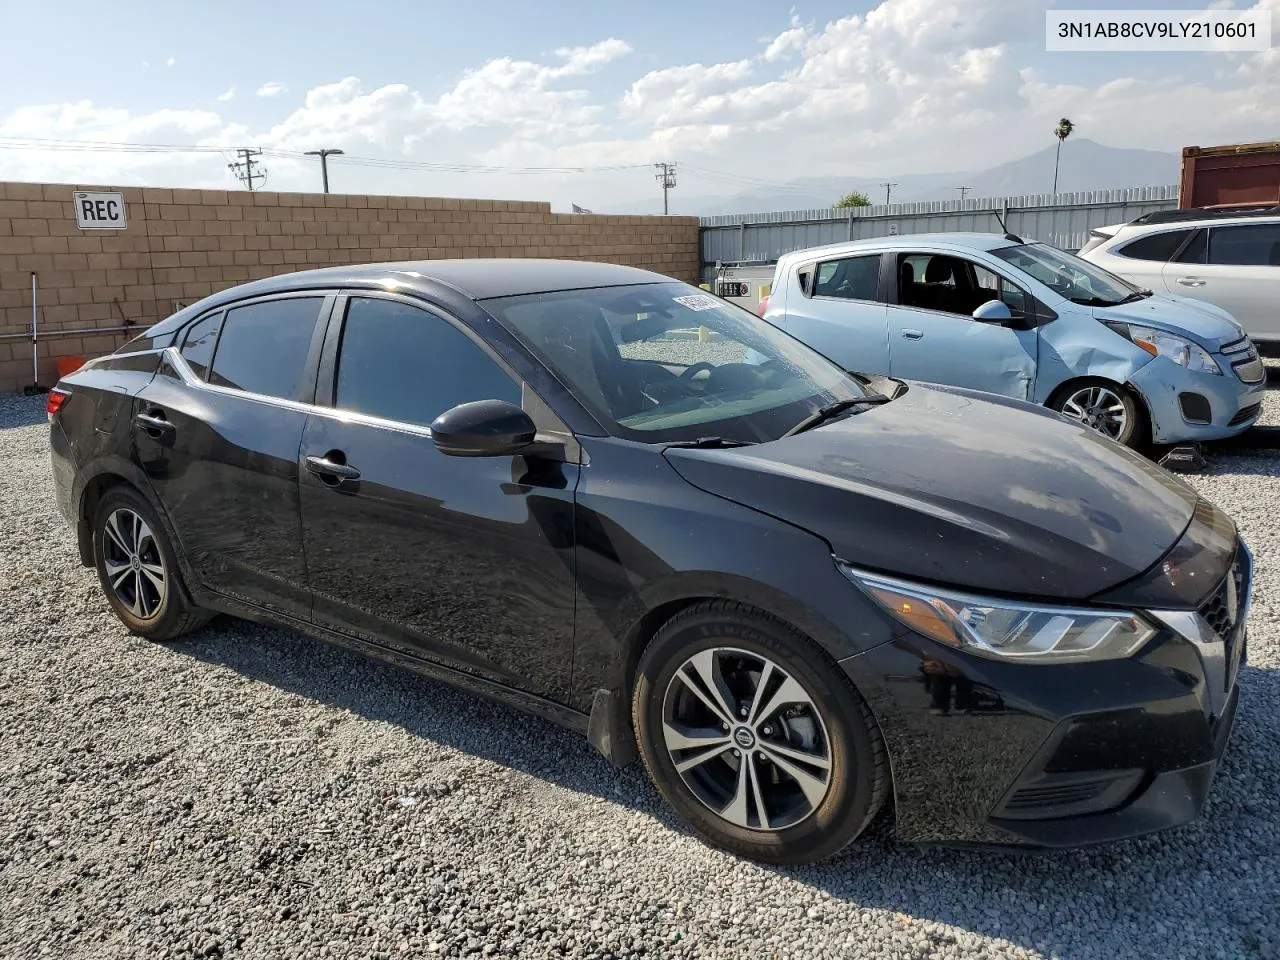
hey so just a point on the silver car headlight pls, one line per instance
(1160, 343)
(1005, 629)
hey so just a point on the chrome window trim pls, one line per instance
(189, 379)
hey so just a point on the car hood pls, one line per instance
(1206, 324)
(962, 488)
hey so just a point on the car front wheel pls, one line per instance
(138, 570)
(1104, 407)
(756, 737)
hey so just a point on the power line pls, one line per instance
(244, 168)
(324, 156)
(963, 191)
(888, 188)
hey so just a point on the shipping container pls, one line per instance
(1240, 174)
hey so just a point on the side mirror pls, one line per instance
(484, 428)
(994, 311)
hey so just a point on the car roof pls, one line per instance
(1142, 225)
(955, 241)
(478, 279)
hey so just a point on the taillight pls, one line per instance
(56, 399)
(764, 305)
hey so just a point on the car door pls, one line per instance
(217, 435)
(464, 561)
(1236, 267)
(838, 311)
(934, 337)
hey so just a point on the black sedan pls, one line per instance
(617, 501)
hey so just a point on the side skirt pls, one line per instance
(530, 703)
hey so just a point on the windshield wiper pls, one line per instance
(831, 410)
(710, 443)
(1136, 295)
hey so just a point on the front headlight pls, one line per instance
(1159, 343)
(1004, 629)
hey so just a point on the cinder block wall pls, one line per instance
(181, 245)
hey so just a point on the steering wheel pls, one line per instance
(771, 370)
(693, 370)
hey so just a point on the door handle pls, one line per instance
(908, 334)
(1192, 281)
(325, 468)
(155, 424)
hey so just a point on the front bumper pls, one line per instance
(994, 753)
(1232, 405)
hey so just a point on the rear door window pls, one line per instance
(1157, 247)
(855, 278)
(399, 362)
(1247, 245)
(197, 346)
(263, 347)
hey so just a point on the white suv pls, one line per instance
(1231, 259)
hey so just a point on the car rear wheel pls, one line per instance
(756, 737)
(138, 570)
(1104, 407)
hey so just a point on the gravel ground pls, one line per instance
(251, 793)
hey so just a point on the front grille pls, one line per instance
(1238, 346)
(1243, 357)
(1245, 415)
(1250, 371)
(1225, 612)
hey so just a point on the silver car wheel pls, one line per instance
(747, 739)
(1099, 408)
(134, 564)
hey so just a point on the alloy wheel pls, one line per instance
(1099, 408)
(134, 565)
(747, 739)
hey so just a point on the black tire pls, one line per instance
(858, 778)
(156, 616)
(1137, 425)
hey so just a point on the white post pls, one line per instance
(35, 355)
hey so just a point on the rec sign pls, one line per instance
(100, 211)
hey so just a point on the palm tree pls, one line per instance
(1061, 131)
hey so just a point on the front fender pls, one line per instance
(1083, 347)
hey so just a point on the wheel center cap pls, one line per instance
(744, 737)
(135, 563)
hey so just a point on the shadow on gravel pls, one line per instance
(1033, 900)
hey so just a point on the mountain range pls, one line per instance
(1086, 165)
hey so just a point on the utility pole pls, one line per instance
(324, 156)
(887, 188)
(667, 177)
(244, 169)
(963, 191)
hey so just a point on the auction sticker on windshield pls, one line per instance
(698, 302)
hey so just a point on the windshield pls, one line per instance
(666, 362)
(1077, 280)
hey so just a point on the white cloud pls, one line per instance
(228, 95)
(171, 61)
(911, 86)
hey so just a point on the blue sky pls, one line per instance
(758, 90)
